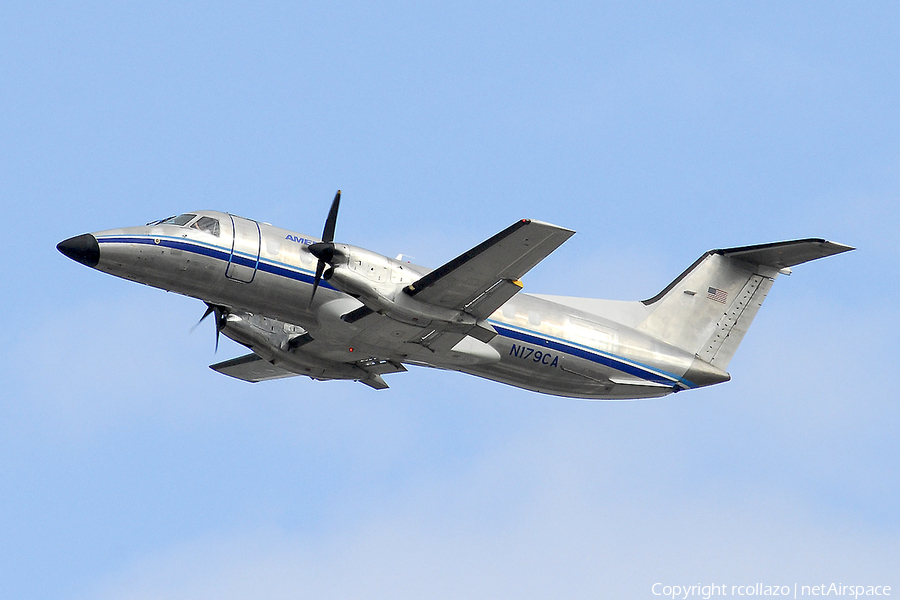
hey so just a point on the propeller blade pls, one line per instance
(320, 267)
(324, 250)
(209, 310)
(331, 221)
(220, 320)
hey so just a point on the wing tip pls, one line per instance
(571, 232)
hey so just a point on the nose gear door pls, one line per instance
(244, 259)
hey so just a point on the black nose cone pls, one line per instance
(83, 248)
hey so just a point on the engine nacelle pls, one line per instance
(386, 297)
(355, 284)
(282, 344)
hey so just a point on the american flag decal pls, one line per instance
(717, 295)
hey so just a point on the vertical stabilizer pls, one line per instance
(708, 308)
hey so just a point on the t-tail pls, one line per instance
(708, 308)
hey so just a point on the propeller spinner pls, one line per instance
(324, 250)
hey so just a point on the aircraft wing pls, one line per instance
(401, 338)
(484, 278)
(252, 368)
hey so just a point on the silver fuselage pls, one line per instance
(545, 346)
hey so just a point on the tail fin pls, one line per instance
(708, 308)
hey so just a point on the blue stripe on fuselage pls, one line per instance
(223, 254)
(609, 360)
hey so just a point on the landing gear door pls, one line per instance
(244, 259)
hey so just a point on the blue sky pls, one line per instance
(128, 469)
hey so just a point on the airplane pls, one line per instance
(331, 311)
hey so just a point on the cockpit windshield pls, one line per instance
(207, 224)
(179, 220)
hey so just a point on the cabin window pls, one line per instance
(179, 220)
(207, 224)
(509, 311)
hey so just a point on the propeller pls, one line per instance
(324, 250)
(220, 320)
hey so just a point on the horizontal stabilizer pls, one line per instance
(785, 254)
(252, 368)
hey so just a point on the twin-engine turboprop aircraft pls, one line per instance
(308, 306)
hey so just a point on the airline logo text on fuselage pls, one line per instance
(299, 240)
